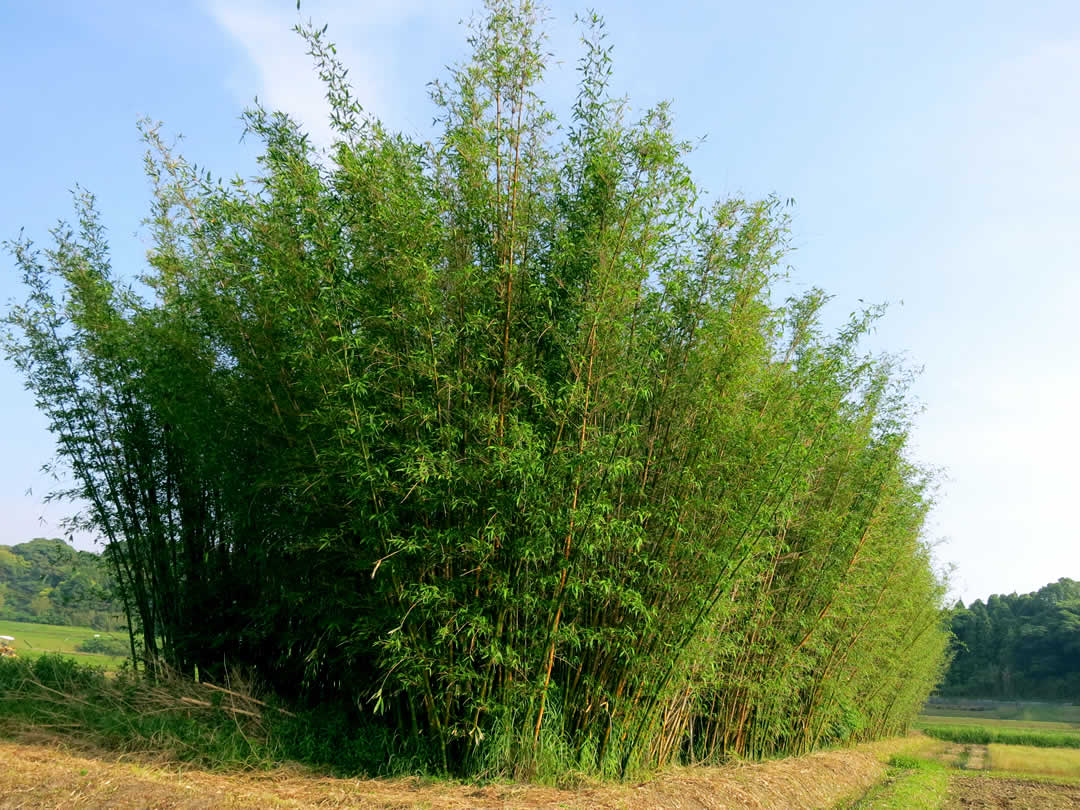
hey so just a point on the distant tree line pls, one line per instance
(502, 440)
(48, 581)
(1017, 647)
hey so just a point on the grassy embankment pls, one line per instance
(208, 725)
(33, 640)
(229, 732)
(226, 730)
(41, 776)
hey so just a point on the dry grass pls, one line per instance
(47, 776)
(1025, 759)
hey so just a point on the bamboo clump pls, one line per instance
(503, 438)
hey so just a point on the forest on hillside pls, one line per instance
(503, 444)
(1013, 646)
(48, 581)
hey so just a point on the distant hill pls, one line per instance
(48, 581)
(1018, 647)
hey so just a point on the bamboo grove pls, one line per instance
(501, 439)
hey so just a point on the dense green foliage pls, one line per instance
(1025, 646)
(48, 581)
(104, 646)
(501, 439)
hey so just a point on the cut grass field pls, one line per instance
(33, 640)
(37, 775)
(221, 737)
(49, 769)
(56, 756)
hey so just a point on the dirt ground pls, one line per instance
(975, 791)
(46, 776)
(977, 758)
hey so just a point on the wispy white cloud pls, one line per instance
(382, 42)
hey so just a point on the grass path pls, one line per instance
(908, 785)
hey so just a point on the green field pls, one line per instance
(986, 754)
(1028, 724)
(1035, 716)
(939, 774)
(986, 735)
(993, 722)
(32, 640)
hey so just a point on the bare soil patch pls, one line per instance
(974, 791)
(46, 776)
(977, 758)
(951, 754)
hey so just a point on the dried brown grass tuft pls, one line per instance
(167, 719)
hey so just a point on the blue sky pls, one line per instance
(933, 150)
